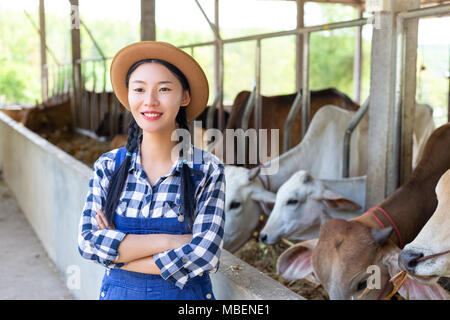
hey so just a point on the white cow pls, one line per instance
(319, 153)
(433, 241)
(303, 203)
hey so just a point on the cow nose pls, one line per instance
(407, 260)
(263, 237)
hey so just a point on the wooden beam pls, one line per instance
(76, 67)
(44, 71)
(148, 25)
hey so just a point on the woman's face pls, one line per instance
(155, 95)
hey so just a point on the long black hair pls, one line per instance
(117, 181)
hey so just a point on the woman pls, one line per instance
(153, 219)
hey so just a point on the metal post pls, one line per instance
(44, 70)
(289, 120)
(299, 45)
(219, 69)
(357, 62)
(257, 115)
(148, 26)
(305, 91)
(406, 91)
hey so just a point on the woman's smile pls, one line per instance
(151, 116)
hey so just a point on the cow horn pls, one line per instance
(253, 173)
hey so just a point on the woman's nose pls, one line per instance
(151, 98)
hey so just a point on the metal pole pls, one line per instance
(258, 102)
(332, 26)
(290, 118)
(357, 62)
(348, 135)
(299, 45)
(305, 91)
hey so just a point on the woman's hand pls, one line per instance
(102, 221)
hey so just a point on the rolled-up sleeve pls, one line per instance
(100, 246)
(203, 252)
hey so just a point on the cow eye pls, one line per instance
(292, 202)
(362, 285)
(234, 205)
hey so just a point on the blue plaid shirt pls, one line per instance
(140, 199)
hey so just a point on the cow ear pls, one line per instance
(337, 202)
(264, 195)
(380, 236)
(295, 262)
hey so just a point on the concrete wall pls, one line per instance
(51, 187)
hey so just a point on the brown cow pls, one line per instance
(345, 249)
(275, 110)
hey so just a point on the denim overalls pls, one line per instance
(119, 284)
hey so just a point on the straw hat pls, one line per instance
(134, 52)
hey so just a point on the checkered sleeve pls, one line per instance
(94, 244)
(203, 252)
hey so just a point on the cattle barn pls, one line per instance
(389, 126)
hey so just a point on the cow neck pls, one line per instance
(414, 203)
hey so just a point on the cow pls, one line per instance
(303, 202)
(48, 115)
(341, 257)
(275, 110)
(319, 153)
(427, 257)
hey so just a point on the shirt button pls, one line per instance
(208, 296)
(201, 274)
(184, 260)
(107, 272)
(103, 294)
(181, 218)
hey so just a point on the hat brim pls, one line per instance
(127, 56)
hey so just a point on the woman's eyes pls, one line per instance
(140, 90)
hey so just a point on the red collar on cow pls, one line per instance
(397, 231)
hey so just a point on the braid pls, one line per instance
(133, 135)
(119, 177)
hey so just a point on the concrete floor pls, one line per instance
(26, 272)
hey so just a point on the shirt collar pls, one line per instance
(136, 164)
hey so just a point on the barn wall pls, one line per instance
(51, 187)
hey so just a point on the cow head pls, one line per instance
(340, 259)
(433, 240)
(301, 207)
(244, 193)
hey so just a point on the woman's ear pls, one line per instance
(186, 99)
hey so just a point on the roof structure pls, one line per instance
(361, 3)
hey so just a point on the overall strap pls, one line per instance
(120, 156)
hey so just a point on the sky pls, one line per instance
(185, 14)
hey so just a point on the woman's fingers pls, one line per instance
(102, 224)
(101, 219)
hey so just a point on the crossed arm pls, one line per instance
(137, 250)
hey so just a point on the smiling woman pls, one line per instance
(155, 222)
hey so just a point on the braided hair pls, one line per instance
(117, 181)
